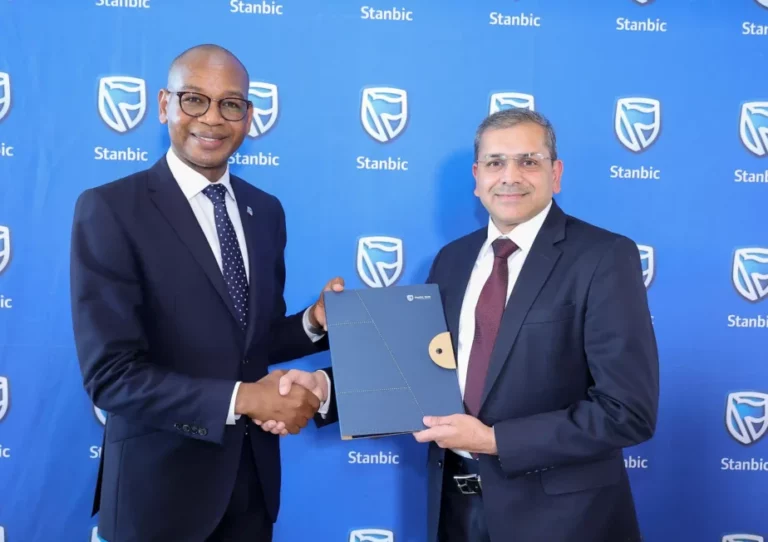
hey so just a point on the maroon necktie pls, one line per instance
(488, 312)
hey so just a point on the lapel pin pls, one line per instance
(249, 210)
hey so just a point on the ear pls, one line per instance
(474, 174)
(557, 174)
(162, 102)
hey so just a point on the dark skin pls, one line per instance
(205, 144)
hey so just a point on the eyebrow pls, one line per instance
(227, 93)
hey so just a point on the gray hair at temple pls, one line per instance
(509, 118)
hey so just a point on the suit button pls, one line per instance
(202, 432)
(185, 427)
(245, 361)
(177, 426)
(193, 429)
(440, 464)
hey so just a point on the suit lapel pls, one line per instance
(247, 218)
(461, 275)
(534, 274)
(170, 200)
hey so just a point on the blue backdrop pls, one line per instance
(367, 115)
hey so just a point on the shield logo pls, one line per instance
(742, 538)
(379, 260)
(644, 2)
(502, 101)
(101, 415)
(746, 416)
(753, 127)
(763, 3)
(750, 273)
(372, 535)
(384, 112)
(265, 107)
(648, 263)
(637, 122)
(5, 396)
(5, 247)
(122, 101)
(5, 94)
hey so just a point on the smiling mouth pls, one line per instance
(207, 138)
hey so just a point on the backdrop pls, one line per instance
(365, 128)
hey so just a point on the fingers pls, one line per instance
(336, 285)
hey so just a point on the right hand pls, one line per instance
(262, 401)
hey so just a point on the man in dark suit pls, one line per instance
(177, 279)
(557, 359)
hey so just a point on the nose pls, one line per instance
(213, 116)
(511, 173)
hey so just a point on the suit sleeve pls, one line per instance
(620, 408)
(112, 347)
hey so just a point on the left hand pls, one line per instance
(460, 432)
(314, 382)
(317, 314)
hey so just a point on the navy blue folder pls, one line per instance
(393, 360)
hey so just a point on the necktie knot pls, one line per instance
(503, 248)
(215, 192)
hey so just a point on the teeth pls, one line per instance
(206, 138)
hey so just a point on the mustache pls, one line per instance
(510, 189)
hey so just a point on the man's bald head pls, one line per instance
(199, 56)
(206, 108)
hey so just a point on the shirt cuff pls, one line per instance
(312, 332)
(323, 410)
(231, 417)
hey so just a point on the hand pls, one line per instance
(460, 432)
(262, 400)
(315, 382)
(317, 314)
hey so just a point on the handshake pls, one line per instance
(283, 402)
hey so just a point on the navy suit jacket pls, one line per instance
(160, 350)
(573, 379)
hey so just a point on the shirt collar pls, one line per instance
(523, 235)
(190, 181)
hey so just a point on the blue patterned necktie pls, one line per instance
(231, 257)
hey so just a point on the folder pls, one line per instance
(393, 360)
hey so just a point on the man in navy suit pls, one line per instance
(177, 279)
(557, 359)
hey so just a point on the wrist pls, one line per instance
(491, 446)
(244, 401)
(322, 382)
(313, 323)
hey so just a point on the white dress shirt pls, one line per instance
(523, 235)
(192, 185)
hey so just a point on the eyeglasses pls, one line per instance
(195, 104)
(530, 162)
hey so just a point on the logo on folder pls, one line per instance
(5, 247)
(384, 112)
(371, 535)
(122, 102)
(5, 94)
(750, 273)
(743, 538)
(379, 260)
(5, 396)
(648, 262)
(753, 126)
(502, 101)
(265, 107)
(637, 122)
(746, 416)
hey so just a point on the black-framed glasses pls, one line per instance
(195, 104)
